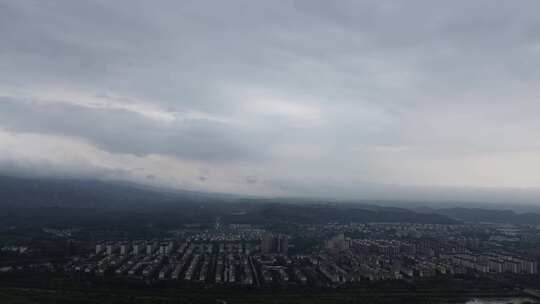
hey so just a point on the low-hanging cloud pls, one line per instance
(273, 98)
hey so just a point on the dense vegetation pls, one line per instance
(477, 215)
(64, 203)
(57, 289)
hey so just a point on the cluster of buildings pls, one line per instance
(233, 233)
(14, 249)
(170, 260)
(274, 243)
(349, 260)
(496, 263)
(248, 256)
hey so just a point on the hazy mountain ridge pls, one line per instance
(87, 202)
(493, 216)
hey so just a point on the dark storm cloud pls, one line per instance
(429, 93)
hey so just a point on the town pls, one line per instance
(247, 255)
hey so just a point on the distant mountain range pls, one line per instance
(477, 215)
(70, 202)
(38, 202)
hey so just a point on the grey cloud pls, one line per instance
(354, 90)
(251, 179)
(123, 132)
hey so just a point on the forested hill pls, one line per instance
(38, 202)
(477, 215)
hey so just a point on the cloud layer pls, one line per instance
(273, 98)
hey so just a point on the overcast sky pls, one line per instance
(273, 97)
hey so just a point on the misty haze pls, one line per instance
(367, 151)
